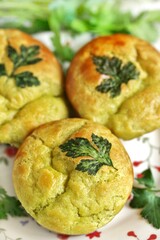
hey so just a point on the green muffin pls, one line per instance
(72, 176)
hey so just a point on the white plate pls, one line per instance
(127, 225)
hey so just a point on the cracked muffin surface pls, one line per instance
(61, 194)
(114, 80)
(28, 72)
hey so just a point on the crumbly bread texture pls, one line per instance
(31, 86)
(135, 110)
(61, 198)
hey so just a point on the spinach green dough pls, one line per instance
(72, 176)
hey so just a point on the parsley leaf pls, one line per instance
(26, 56)
(13, 55)
(151, 211)
(140, 199)
(146, 197)
(82, 147)
(147, 179)
(150, 203)
(116, 72)
(10, 206)
(2, 70)
(89, 166)
(25, 79)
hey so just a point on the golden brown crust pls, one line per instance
(57, 195)
(83, 78)
(14, 98)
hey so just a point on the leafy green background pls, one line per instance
(99, 17)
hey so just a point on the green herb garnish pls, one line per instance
(116, 72)
(147, 197)
(26, 79)
(99, 153)
(10, 206)
(27, 56)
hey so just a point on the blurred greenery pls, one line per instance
(98, 17)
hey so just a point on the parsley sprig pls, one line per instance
(100, 153)
(147, 197)
(116, 72)
(10, 206)
(27, 56)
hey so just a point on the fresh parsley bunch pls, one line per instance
(98, 17)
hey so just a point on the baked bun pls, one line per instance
(114, 80)
(30, 80)
(72, 176)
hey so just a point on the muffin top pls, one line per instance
(72, 176)
(112, 76)
(28, 71)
